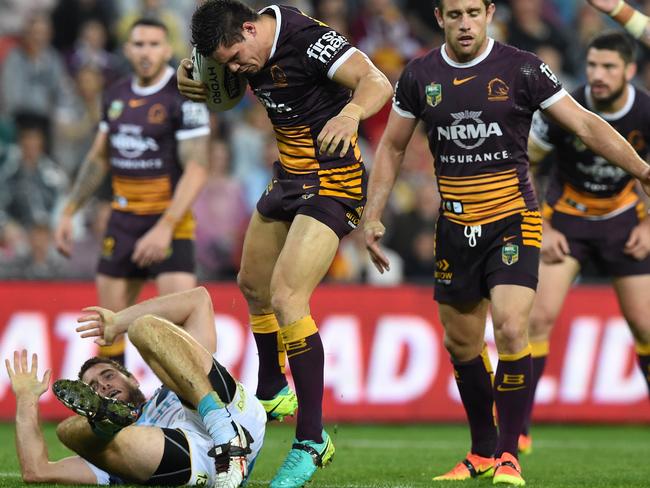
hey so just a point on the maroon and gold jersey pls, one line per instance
(144, 126)
(583, 183)
(477, 117)
(297, 90)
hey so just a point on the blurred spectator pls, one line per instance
(40, 262)
(157, 9)
(70, 16)
(551, 56)
(412, 234)
(31, 183)
(335, 13)
(529, 28)
(15, 14)
(90, 50)
(249, 143)
(221, 212)
(381, 25)
(33, 77)
(75, 123)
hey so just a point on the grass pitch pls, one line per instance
(410, 455)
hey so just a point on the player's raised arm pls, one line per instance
(90, 176)
(35, 466)
(634, 21)
(371, 90)
(190, 309)
(600, 137)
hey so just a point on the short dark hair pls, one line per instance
(149, 22)
(219, 23)
(615, 41)
(438, 4)
(100, 360)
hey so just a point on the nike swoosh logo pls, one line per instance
(137, 102)
(514, 388)
(307, 187)
(509, 238)
(458, 82)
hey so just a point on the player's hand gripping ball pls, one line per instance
(225, 89)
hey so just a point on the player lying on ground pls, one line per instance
(160, 441)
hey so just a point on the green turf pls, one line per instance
(408, 456)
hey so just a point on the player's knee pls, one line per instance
(462, 348)
(540, 324)
(252, 293)
(511, 335)
(284, 298)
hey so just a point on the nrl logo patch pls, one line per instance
(433, 91)
(510, 254)
(115, 110)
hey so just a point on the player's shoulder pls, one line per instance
(430, 60)
(641, 97)
(119, 87)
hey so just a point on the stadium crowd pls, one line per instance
(56, 57)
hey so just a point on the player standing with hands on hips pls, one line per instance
(316, 88)
(477, 98)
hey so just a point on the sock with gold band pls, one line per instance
(474, 380)
(539, 355)
(643, 353)
(511, 390)
(306, 358)
(270, 374)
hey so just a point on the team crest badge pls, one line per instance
(497, 90)
(510, 254)
(434, 94)
(115, 110)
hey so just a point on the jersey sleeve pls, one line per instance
(103, 123)
(407, 100)
(541, 131)
(193, 120)
(323, 49)
(541, 87)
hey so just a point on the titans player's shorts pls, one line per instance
(602, 242)
(470, 261)
(289, 195)
(123, 231)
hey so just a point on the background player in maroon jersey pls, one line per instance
(592, 211)
(154, 144)
(316, 88)
(476, 98)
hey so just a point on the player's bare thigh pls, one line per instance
(117, 293)
(554, 283)
(464, 326)
(133, 454)
(307, 254)
(262, 246)
(172, 282)
(634, 298)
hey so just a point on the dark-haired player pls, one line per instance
(477, 98)
(316, 88)
(201, 428)
(592, 211)
(153, 143)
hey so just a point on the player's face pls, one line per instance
(465, 24)
(148, 50)
(607, 75)
(245, 57)
(109, 382)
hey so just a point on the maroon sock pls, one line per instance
(511, 391)
(644, 363)
(307, 359)
(539, 363)
(270, 378)
(474, 380)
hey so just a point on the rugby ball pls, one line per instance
(225, 89)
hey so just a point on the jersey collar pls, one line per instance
(143, 91)
(278, 23)
(471, 63)
(631, 95)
